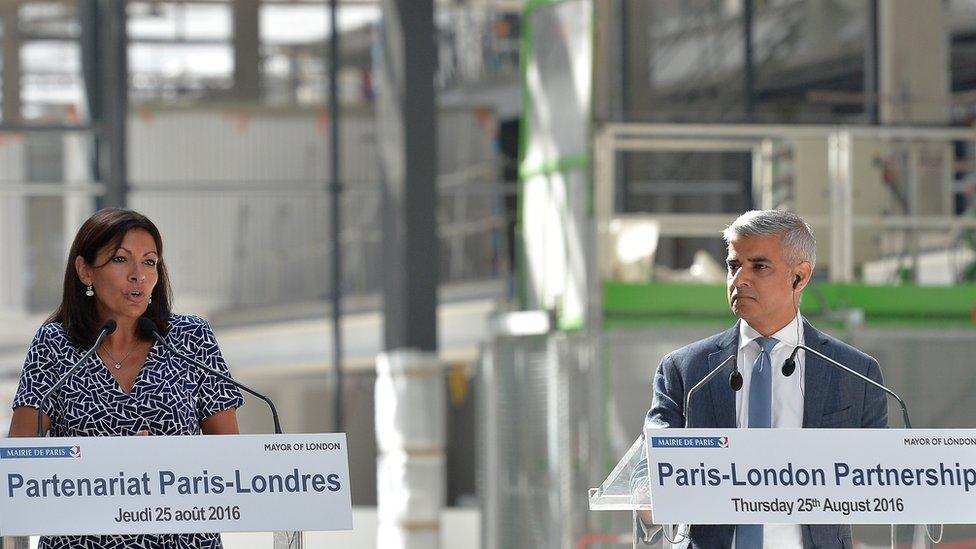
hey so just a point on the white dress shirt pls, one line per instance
(787, 404)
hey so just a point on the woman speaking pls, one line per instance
(129, 385)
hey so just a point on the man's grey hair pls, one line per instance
(798, 242)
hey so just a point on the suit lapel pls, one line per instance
(816, 377)
(723, 398)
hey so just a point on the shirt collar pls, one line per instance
(787, 334)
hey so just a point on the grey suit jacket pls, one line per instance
(832, 399)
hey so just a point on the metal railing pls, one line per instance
(875, 192)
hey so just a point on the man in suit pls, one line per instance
(771, 255)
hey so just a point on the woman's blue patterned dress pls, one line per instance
(169, 397)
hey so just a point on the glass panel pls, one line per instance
(615, 492)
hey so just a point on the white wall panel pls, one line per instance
(13, 215)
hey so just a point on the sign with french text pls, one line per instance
(812, 476)
(185, 484)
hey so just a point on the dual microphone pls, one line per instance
(735, 378)
(789, 366)
(148, 329)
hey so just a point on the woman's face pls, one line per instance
(122, 279)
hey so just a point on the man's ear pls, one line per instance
(83, 270)
(802, 276)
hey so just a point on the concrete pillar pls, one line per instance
(410, 440)
(915, 89)
(914, 62)
(410, 412)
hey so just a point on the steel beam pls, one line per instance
(105, 67)
(407, 133)
(116, 108)
(247, 55)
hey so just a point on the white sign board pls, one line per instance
(812, 476)
(161, 485)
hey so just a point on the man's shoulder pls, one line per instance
(697, 350)
(844, 352)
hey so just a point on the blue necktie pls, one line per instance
(750, 536)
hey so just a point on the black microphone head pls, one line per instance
(789, 366)
(147, 327)
(109, 326)
(735, 380)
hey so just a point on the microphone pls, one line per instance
(735, 383)
(148, 328)
(790, 366)
(735, 378)
(107, 328)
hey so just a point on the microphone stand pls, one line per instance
(221, 375)
(107, 329)
(791, 363)
(711, 375)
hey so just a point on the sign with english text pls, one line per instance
(185, 484)
(812, 476)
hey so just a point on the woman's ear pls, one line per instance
(83, 270)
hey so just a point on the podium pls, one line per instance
(615, 492)
(179, 484)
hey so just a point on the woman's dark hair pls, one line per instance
(106, 229)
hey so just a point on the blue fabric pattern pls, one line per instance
(750, 536)
(169, 397)
(761, 385)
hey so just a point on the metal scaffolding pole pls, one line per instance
(247, 49)
(336, 191)
(104, 44)
(748, 69)
(871, 63)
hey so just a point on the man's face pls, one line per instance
(760, 282)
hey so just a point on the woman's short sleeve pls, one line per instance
(215, 394)
(41, 368)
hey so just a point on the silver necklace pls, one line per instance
(117, 364)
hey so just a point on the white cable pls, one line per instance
(682, 535)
